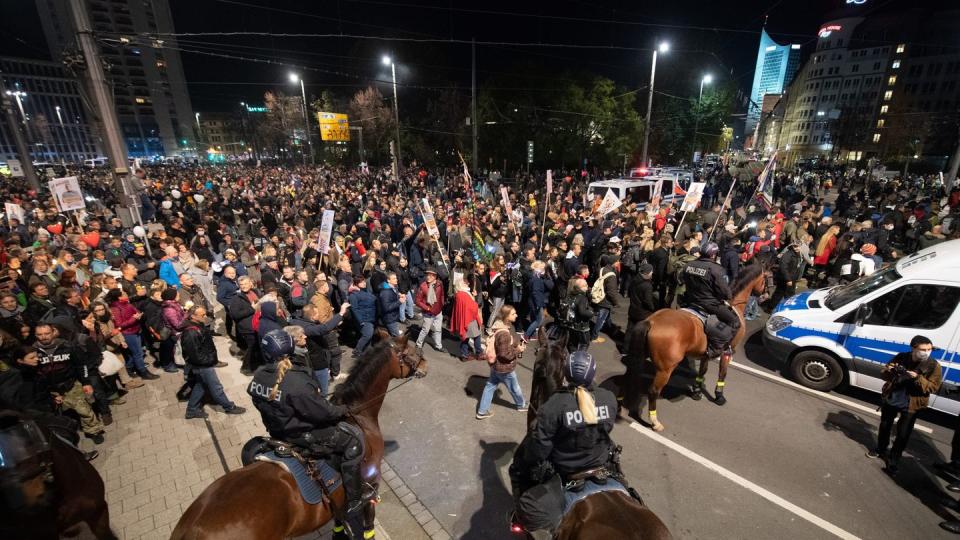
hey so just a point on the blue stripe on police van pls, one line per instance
(794, 303)
(873, 350)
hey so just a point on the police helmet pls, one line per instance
(710, 250)
(276, 344)
(581, 368)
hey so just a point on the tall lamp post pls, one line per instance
(663, 47)
(396, 107)
(707, 79)
(294, 78)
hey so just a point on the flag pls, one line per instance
(765, 183)
(609, 203)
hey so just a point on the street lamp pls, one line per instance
(294, 78)
(707, 79)
(662, 48)
(396, 107)
(59, 116)
(17, 94)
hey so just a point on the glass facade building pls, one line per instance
(776, 66)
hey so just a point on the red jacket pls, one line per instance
(123, 313)
(420, 299)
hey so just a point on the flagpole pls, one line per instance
(726, 200)
(546, 208)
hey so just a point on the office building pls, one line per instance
(884, 85)
(146, 76)
(48, 104)
(776, 66)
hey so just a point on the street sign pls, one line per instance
(16, 170)
(333, 126)
(529, 151)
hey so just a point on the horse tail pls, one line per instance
(636, 344)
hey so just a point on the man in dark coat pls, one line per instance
(642, 304)
(200, 355)
(659, 259)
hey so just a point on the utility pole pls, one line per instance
(26, 162)
(473, 97)
(104, 106)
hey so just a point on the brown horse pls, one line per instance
(670, 335)
(607, 514)
(261, 501)
(47, 487)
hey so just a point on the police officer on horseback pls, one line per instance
(571, 438)
(707, 291)
(295, 411)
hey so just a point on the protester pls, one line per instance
(507, 347)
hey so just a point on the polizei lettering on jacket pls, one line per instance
(263, 391)
(702, 272)
(575, 418)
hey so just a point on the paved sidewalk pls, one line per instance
(155, 463)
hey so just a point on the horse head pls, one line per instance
(409, 359)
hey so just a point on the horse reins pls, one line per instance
(413, 369)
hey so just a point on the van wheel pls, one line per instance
(817, 370)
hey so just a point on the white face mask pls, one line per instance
(921, 355)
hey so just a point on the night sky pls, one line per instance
(719, 37)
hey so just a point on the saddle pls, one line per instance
(713, 327)
(316, 478)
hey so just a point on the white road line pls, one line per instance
(816, 393)
(747, 484)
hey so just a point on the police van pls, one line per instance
(634, 191)
(849, 332)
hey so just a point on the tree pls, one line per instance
(369, 110)
(280, 123)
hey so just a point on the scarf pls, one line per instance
(431, 294)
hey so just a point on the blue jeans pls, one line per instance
(602, 315)
(206, 380)
(406, 307)
(513, 385)
(134, 354)
(393, 328)
(366, 334)
(534, 324)
(465, 346)
(323, 379)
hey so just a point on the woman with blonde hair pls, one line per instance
(826, 246)
(507, 347)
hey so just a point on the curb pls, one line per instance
(409, 499)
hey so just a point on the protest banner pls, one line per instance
(66, 193)
(14, 211)
(692, 199)
(326, 230)
(609, 203)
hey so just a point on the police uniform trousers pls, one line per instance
(343, 444)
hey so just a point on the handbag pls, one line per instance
(111, 364)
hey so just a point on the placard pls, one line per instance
(692, 199)
(16, 170)
(549, 181)
(66, 193)
(326, 229)
(428, 219)
(609, 203)
(14, 211)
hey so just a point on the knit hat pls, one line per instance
(868, 250)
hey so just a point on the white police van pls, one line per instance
(634, 191)
(849, 332)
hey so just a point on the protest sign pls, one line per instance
(66, 193)
(326, 229)
(609, 203)
(14, 211)
(693, 196)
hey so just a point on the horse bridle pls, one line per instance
(413, 367)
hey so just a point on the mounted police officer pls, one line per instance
(295, 411)
(571, 435)
(707, 291)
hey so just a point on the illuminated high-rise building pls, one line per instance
(776, 66)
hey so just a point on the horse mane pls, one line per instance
(746, 277)
(362, 374)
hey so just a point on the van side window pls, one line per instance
(926, 306)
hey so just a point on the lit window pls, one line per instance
(161, 64)
(896, 64)
(876, 137)
(901, 47)
(888, 95)
(884, 109)
(880, 122)
(892, 80)
(141, 100)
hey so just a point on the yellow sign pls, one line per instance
(333, 126)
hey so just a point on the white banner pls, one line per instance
(326, 230)
(428, 219)
(16, 170)
(692, 199)
(505, 201)
(66, 193)
(609, 203)
(14, 211)
(657, 189)
(549, 181)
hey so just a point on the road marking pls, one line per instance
(743, 482)
(816, 393)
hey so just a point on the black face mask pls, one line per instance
(103, 318)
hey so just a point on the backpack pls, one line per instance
(630, 258)
(489, 346)
(598, 292)
(565, 313)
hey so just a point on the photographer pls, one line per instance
(911, 378)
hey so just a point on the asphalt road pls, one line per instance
(775, 461)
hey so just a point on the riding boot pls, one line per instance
(355, 524)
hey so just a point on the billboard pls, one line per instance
(333, 126)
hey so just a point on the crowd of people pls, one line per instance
(92, 307)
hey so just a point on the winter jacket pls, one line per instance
(929, 378)
(173, 315)
(730, 261)
(269, 319)
(198, 347)
(226, 290)
(642, 304)
(363, 305)
(611, 288)
(240, 309)
(539, 287)
(123, 317)
(388, 304)
(506, 345)
(194, 294)
(59, 366)
(320, 348)
(421, 299)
